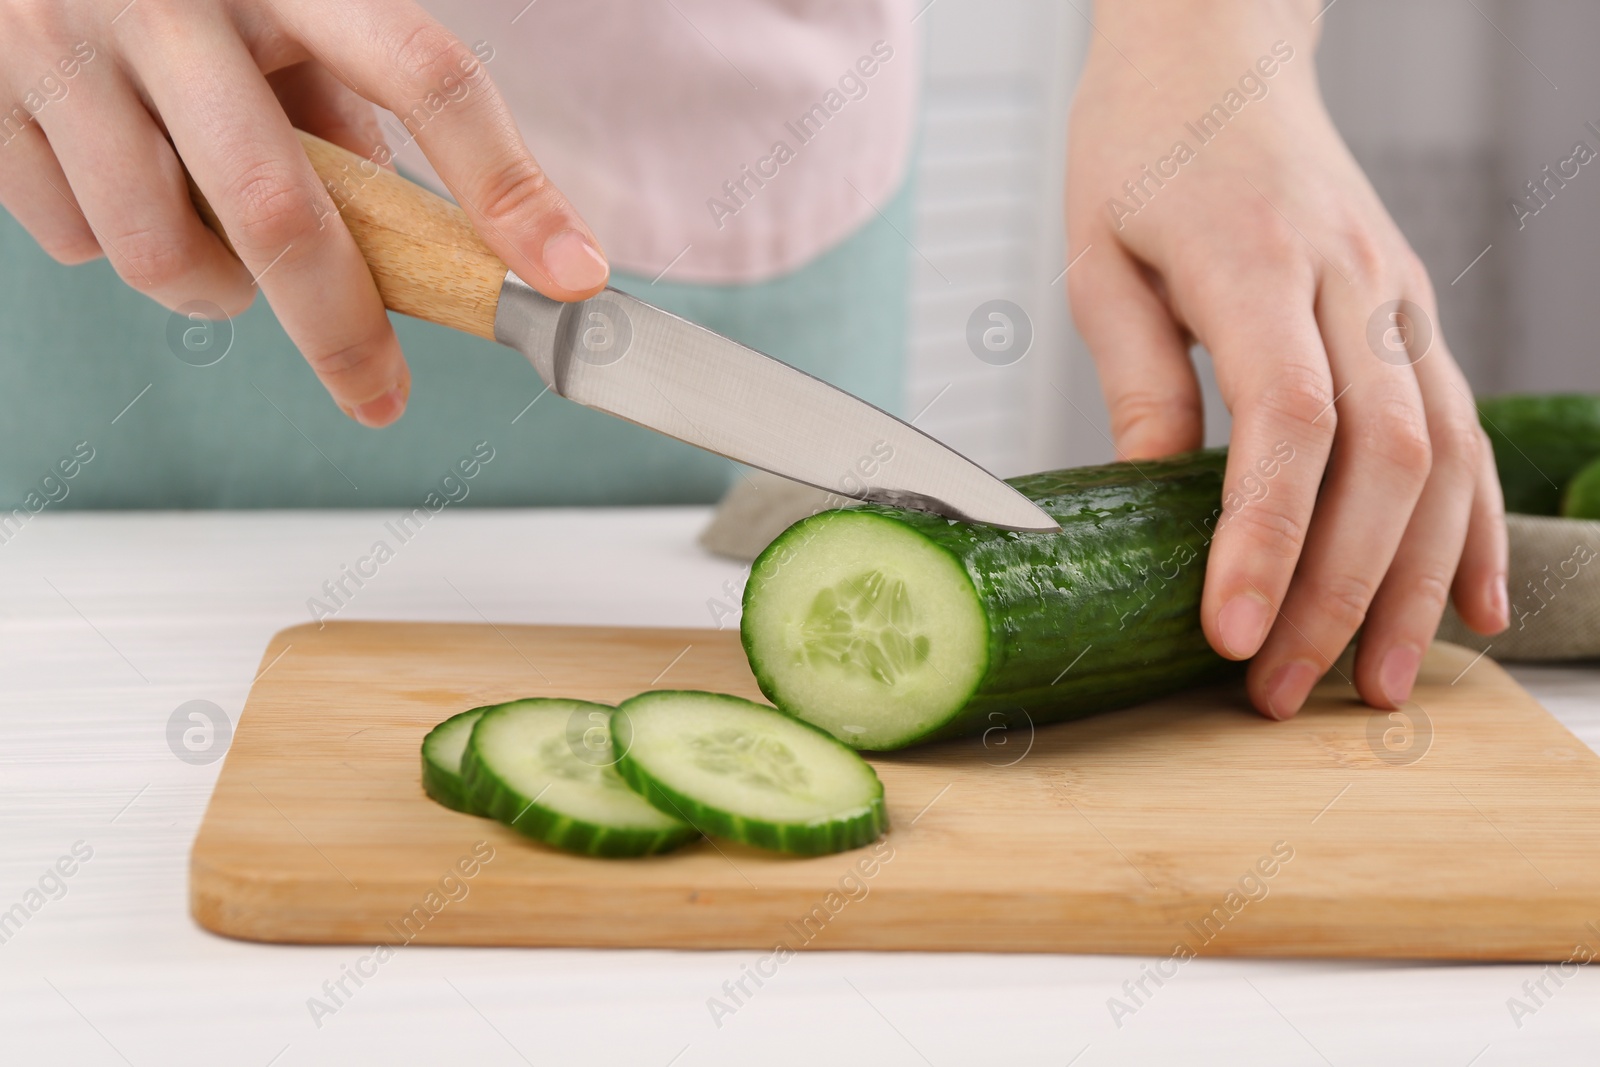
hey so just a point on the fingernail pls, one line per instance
(1289, 686)
(1242, 624)
(1399, 672)
(382, 411)
(573, 263)
(1498, 600)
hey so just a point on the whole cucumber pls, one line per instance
(888, 627)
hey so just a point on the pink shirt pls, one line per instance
(718, 140)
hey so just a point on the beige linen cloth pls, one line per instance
(1554, 579)
(1554, 586)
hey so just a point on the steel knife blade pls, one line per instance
(618, 354)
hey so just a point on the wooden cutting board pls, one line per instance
(1469, 828)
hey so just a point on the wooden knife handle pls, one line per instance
(425, 256)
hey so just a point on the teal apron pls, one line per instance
(98, 410)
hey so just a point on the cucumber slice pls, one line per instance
(441, 759)
(747, 772)
(544, 767)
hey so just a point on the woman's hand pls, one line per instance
(1360, 491)
(103, 98)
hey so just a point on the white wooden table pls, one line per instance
(109, 622)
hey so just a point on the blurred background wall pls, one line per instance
(1450, 105)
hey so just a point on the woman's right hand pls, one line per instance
(107, 102)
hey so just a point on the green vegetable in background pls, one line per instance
(1539, 443)
(1582, 498)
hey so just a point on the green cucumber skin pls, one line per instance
(487, 795)
(444, 789)
(1539, 443)
(490, 798)
(815, 840)
(439, 783)
(1120, 584)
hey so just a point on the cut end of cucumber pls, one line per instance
(736, 769)
(864, 625)
(858, 624)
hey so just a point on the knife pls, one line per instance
(617, 354)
